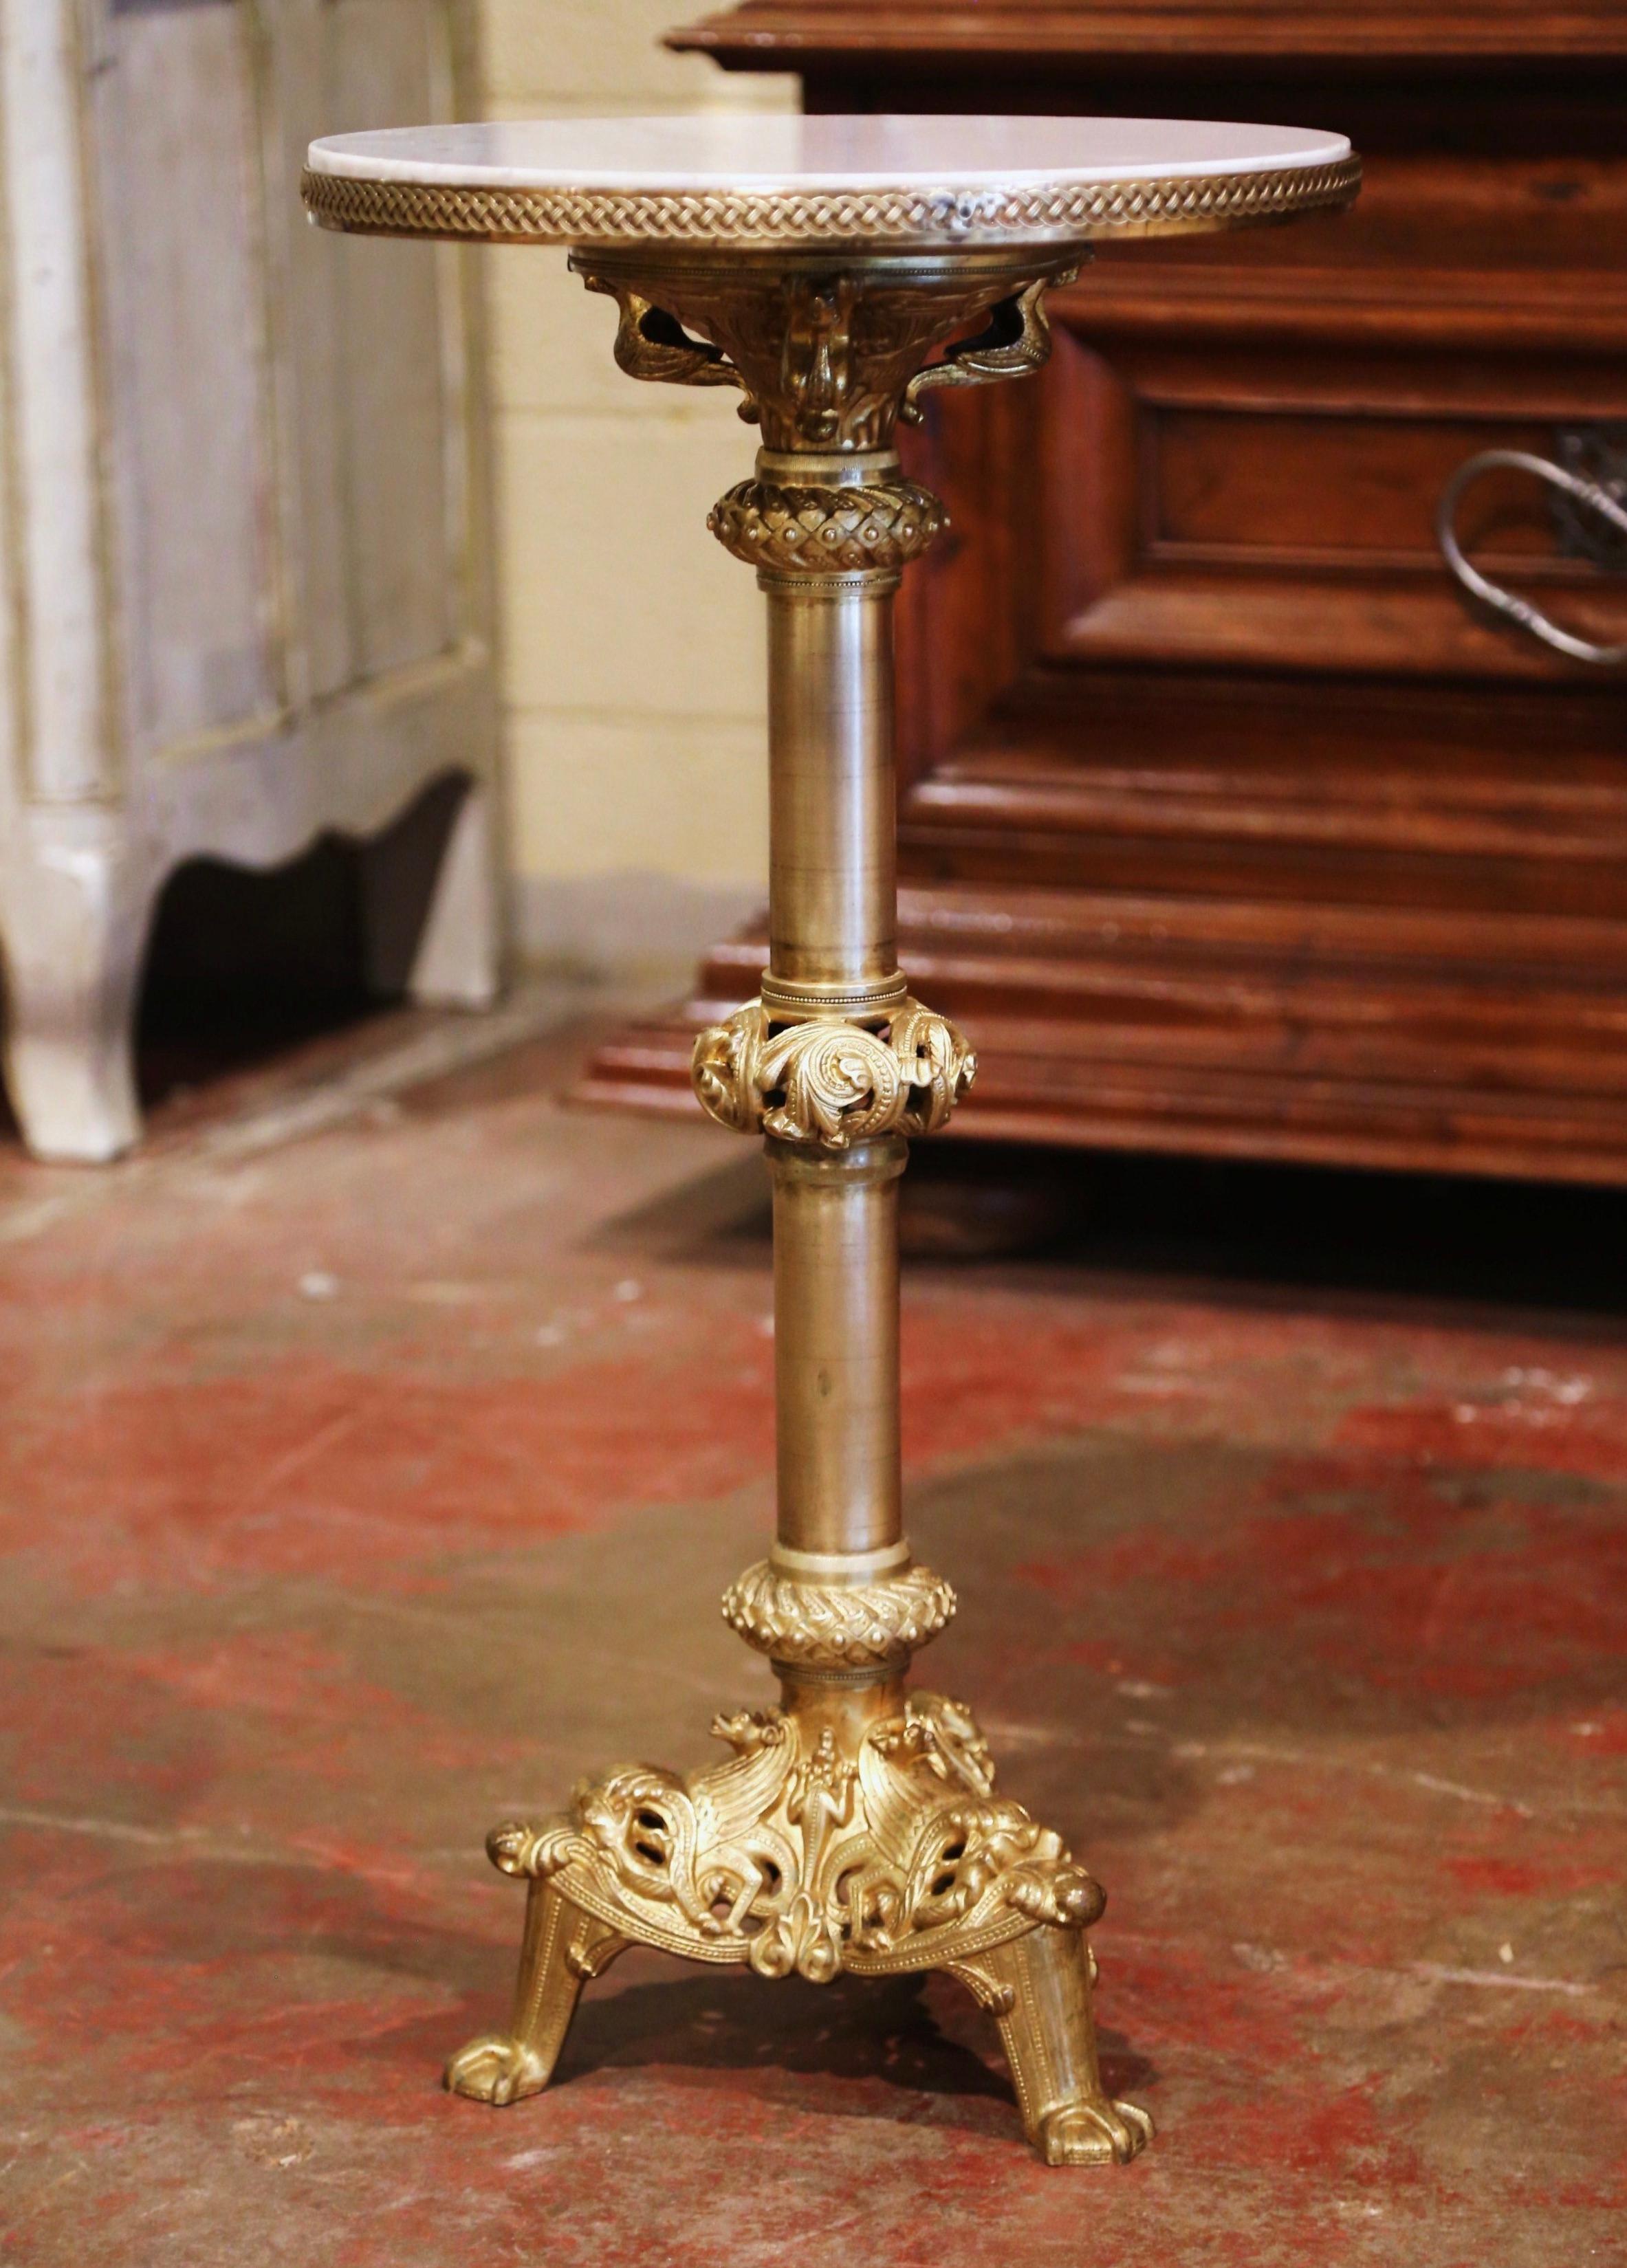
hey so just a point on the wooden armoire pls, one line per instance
(243, 590)
(1227, 826)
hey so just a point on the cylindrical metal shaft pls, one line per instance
(832, 886)
(836, 1347)
(832, 918)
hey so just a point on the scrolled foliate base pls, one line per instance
(834, 1838)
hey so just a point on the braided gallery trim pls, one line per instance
(837, 1626)
(857, 217)
(826, 531)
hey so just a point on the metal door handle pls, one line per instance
(1609, 502)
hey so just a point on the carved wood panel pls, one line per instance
(1205, 509)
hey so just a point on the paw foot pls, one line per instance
(496, 2069)
(1099, 2133)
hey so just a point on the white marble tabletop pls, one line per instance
(730, 179)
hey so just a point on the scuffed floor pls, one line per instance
(363, 1482)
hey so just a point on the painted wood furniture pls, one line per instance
(243, 559)
(834, 273)
(1226, 825)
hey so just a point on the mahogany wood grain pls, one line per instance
(792, 35)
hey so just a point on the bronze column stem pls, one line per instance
(856, 1826)
(832, 922)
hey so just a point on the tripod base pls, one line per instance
(856, 1828)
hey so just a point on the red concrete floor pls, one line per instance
(367, 1476)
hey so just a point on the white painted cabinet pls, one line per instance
(241, 488)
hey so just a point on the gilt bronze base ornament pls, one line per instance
(855, 1828)
(818, 267)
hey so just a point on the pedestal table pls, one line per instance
(818, 265)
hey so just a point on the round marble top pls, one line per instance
(874, 181)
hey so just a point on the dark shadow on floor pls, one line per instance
(856, 2027)
(244, 965)
(1527, 1244)
(1501, 1244)
(921, 2036)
